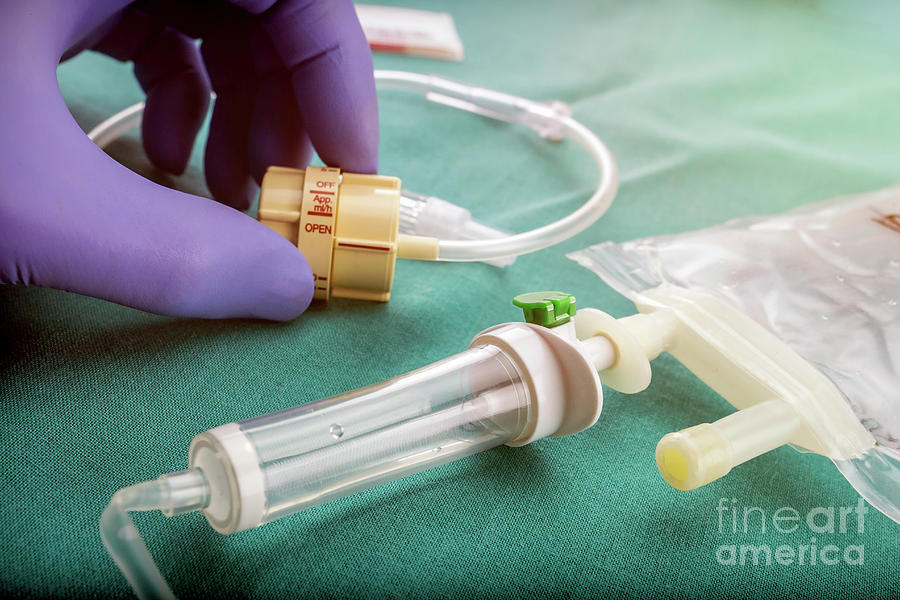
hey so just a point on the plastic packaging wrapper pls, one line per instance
(824, 278)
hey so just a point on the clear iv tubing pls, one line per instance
(551, 120)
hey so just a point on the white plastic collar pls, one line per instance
(566, 396)
(237, 498)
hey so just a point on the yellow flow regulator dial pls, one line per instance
(345, 224)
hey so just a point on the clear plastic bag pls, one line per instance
(824, 278)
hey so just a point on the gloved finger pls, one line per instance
(168, 67)
(226, 163)
(74, 219)
(276, 130)
(172, 74)
(323, 46)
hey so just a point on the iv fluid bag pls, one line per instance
(824, 278)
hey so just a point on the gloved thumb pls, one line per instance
(74, 219)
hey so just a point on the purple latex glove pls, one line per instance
(289, 75)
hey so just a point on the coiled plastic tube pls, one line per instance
(551, 120)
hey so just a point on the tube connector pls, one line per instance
(187, 491)
(698, 455)
(345, 224)
(433, 217)
(546, 118)
(693, 457)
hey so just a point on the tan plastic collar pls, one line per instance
(345, 224)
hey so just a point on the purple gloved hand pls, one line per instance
(289, 75)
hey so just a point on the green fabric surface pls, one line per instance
(714, 110)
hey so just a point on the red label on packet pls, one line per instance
(409, 31)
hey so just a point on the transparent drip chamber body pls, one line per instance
(453, 408)
(245, 474)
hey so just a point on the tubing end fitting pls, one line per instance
(547, 122)
(693, 457)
